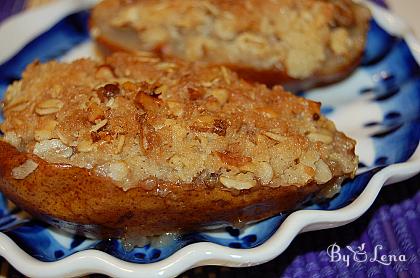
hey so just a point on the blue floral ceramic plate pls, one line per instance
(379, 105)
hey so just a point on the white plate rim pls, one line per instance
(203, 253)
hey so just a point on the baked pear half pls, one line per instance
(145, 146)
(295, 43)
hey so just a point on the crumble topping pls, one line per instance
(139, 120)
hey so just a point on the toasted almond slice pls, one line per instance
(274, 136)
(323, 173)
(99, 125)
(120, 143)
(320, 137)
(239, 181)
(265, 172)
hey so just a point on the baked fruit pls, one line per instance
(145, 146)
(295, 43)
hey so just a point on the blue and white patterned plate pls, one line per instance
(379, 105)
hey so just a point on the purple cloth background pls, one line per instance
(393, 222)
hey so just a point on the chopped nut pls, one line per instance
(264, 171)
(50, 106)
(239, 181)
(99, 125)
(24, 170)
(120, 143)
(320, 137)
(323, 173)
(274, 136)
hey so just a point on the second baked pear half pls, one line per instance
(296, 43)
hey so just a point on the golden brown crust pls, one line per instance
(299, 44)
